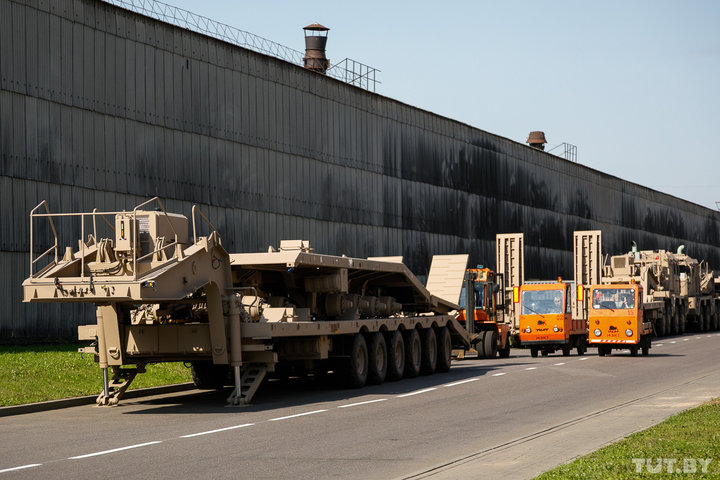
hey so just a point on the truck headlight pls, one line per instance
(528, 330)
(628, 332)
(597, 332)
(556, 329)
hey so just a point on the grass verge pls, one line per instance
(39, 373)
(671, 449)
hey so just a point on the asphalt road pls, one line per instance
(509, 418)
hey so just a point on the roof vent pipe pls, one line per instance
(681, 249)
(635, 251)
(315, 41)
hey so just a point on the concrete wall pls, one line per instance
(100, 107)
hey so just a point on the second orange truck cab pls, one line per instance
(616, 319)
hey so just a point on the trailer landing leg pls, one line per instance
(247, 381)
(115, 388)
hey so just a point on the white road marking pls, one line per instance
(105, 452)
(363, 403)
(498, 374)
(218, 430)
(685, 339)
(297, 415)
(461, 382)
(558, 364)
(658, 345)
(417, 392)
(531, 368)
(583, 358)
(673, 341)
(20, 468)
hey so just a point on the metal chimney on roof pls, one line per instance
(315, 41)
(537, 140)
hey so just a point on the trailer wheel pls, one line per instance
(413, 353)
(377, 359)
(675, 323)
(490, 343)
(357, 364)
(396, 355)
(444, 354)
(533, 352)
(429, 351)
(208, 376)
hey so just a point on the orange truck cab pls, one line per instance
(493, 337)
(616, 319)
(546, 319)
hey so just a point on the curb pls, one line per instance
(90, 399)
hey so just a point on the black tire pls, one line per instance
(533, 352)
(429, 353)
(396, 356)
(208, 376)
(582, 348)
(357, 365)
(505, 352)
(633, 350)
(714, 321)
(480, 345)
(544, 353)
(646, 345)
(660, 324)
(601, 350)
(377, 359)
(566, 350)
(413, 353)
(444, 354)
(490, 342)
(675, 323)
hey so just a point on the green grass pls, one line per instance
(693, 434)
(39, 373)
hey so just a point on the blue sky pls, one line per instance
(635, 85)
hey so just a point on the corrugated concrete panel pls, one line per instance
(101, 107)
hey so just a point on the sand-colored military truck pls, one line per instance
(164, 293)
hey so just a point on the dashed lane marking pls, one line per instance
(218, 430)
(105, 452)
(583, 358)
(558, 364)
(296, 415)
(23, 467)
(362, 403)
(455, 384)
(531, 368)
(498, 374)
(417, 392)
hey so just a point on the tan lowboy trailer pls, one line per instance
(163, 296)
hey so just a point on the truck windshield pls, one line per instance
(613, 298)
(541, 302)
(479, 297)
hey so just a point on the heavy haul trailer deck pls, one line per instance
(163, 296)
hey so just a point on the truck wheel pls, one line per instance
(357, 364)
(396, 356)
(505, 352)
(646, 345)
(659, 324)
(601, 350)
(429, 351)
(714, 321)
(633, 350)
(480, 345)
(377, 359)
(675, 323)
(682, 320)
(444, 355)
(533, 352)
(566, 350)
(490, 342)
(208, 376)
(413, 353)
(582, 348)
(544, 352)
